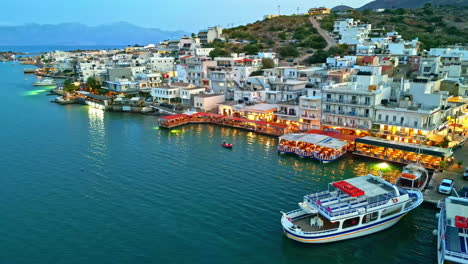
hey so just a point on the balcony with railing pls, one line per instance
(347, 114)
(386, 133)
(348, 102)
(313, 107)
(346, 125)
(287, 113)
(427, 127)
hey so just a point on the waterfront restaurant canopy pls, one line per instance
(292, 137)
(313, 138)
(422, 149)
(332, 143)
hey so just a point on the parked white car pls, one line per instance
(446, 186)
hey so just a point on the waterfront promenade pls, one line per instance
(261, 127)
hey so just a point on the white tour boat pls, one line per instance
(413, 176)
(452, 234)
(351, 208)
(45, 82)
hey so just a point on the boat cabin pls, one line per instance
(453, 230)
(352, 202)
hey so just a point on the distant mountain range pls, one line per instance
(76, 34)
(411, 3)
(341, 8)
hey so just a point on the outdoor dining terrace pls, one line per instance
(263, 127)
(401, 152)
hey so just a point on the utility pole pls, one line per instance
(297, 11)
(279, 10)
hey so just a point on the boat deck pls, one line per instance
(456, 240)
(336, 203)
(304, 224)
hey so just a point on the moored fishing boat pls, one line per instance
(351, 208)
(413, 176)
(452, 231)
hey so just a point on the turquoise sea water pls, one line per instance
(79, 185)
(38, 49)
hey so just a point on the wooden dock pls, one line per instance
(432, 196)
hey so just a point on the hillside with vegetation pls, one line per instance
(434, 26)
(294, 36)
(289, 36)
(411, 3)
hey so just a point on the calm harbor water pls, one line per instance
(39, 49)
(82, 186)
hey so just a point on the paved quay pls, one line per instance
(431, 195)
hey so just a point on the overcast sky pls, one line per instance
(188, 15)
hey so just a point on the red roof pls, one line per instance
(172, 117)
(386, 58)
(386, 67)
(314, 131)
(368, 59)
(186, 57)
(340, 136)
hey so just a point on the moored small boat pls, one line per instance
(351, 208)
(413, 176)
(227, 145)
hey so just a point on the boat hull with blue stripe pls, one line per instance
(362, 206)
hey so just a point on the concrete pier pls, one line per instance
(431, 195)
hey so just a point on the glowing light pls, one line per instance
(34, 92)
(175, 131)
(156, 128)
(382, 165)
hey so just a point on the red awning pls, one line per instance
(340, 136)
(172, 117)
(314, 131)
(271, 124)
(348, 188)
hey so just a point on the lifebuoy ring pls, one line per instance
(395, 200)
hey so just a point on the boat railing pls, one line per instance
(344, 212)
(456, 254)
(379, 203)
(315, 196)
(322, 232)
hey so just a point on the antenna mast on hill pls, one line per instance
(279, 10)
(297, 13)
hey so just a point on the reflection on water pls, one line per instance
(97, 146)
(34, 92)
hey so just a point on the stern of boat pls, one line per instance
(416, 197)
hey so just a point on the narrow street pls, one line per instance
(330, 40)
